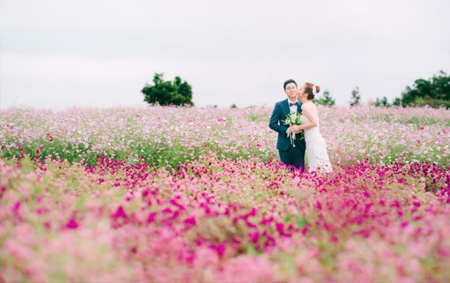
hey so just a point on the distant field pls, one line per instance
(197, 194)
(173, 136)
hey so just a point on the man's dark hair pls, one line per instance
(288, 82)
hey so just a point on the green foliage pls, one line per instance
(356, 97)
(163, 92)
(326, 100)
(382, 102)
(434, 92)
(397, 101)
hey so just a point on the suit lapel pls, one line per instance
(286, 108)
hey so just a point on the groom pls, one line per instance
(289, 155)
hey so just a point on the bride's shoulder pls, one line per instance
(308, 106)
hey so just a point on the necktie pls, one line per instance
(292, 104)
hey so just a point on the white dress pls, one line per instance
(316, 148)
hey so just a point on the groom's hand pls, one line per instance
(295, 129)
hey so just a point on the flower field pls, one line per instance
(168, 194)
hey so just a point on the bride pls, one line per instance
(316, 147)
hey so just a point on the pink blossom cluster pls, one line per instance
(173, 136)
(86, 196)
(223, 220)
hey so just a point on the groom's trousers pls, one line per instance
(294, 156)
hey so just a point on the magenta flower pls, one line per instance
(72, 224)
(190, 220)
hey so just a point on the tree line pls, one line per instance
(434, 92)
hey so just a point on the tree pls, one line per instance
(434, 92)
(397, 101)
(356, 97)
(327, 100)
(163, 92)
(382, 102)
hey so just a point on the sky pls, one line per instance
(56, 54)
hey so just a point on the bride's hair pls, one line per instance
(309, 90)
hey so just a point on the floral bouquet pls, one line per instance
(293, 118)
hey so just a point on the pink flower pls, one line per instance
(151, 217)
(72, 224)
(190, 220)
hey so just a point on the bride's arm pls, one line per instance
(312, 120)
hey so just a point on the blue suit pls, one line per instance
(289, 154)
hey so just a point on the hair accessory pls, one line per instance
(313, 89)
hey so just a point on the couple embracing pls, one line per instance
(295, 139)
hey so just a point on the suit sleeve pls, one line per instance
(275, 119)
